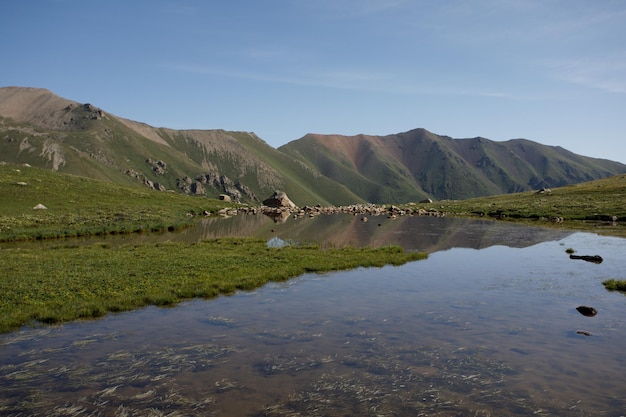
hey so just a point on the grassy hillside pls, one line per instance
(81, 206)
(594, 205)
(44, 130)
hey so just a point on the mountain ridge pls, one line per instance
(425, 164)
(42, 129)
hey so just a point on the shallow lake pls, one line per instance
(486, 326)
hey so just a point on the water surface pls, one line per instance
(487, 325)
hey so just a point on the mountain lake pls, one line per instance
(486, 326)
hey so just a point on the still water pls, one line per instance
(486, 326)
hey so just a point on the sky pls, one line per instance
(552, 71)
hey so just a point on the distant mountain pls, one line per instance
(42, 129)
(419, 164)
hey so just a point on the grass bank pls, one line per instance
(78, 206)
(65, 283)
(589, 206)
(615, 285)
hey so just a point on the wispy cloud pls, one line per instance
(608, 75)
(334, 78)
(359, 80)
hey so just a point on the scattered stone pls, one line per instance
(596, 259)
(40, 207)
(22, 183)
(369, 210)
(587, 311)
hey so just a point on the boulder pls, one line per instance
(279, 199)
(40, 207)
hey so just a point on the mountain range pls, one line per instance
(42, 129)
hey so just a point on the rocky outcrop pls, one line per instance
(223, 184)
(92, 112)
(190, 186)
(158, 167)
(245, 190)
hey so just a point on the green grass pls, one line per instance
(57, 284)
(78, 206)
(615, 285)
(580, 206)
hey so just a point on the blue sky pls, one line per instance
(546, 70)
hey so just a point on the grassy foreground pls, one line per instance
(71, 282)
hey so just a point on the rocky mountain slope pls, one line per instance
(39, 128)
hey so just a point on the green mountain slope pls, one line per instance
(44, 130)
(418, 164)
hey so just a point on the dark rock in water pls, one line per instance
(596, 259)
(587, 311)
(583, 332)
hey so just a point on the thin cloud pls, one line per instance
(357, 80)
(608, 75)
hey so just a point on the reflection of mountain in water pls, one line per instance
(421, 233)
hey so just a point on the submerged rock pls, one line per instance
(596, 259)
(587, 311)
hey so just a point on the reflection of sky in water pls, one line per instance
(490, 330)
